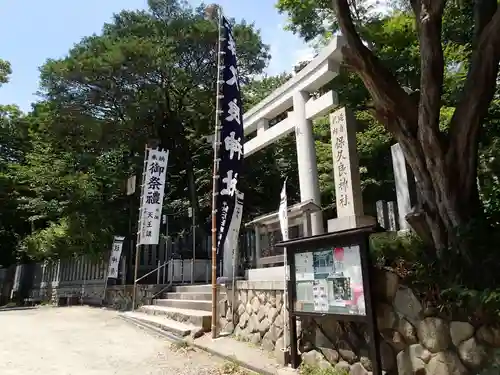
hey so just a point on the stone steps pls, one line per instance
(197, 318)
(197, 296)
(185, 304)
(161, 324)
(187, 309)
(203, 288)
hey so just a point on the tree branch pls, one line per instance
(399, 112)
(382, 85)
(473, 106)
(393, 106)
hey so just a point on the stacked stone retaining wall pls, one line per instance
(413, 340)
(116, 296)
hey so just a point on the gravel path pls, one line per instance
(88, 341)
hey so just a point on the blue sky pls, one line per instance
(33, 30)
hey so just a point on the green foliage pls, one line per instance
(14, 129)
(313, 18)
(231, 367)
(147, 75)
(266, 170)
(257, 89)
(389, 249)
(451, 282)
(452, 286)
(150, 75)
(5, 71)
(306, 369)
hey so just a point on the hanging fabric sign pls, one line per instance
(283, 213)
(114, 258)
(153, 189)
(231, 148)
(230, 256)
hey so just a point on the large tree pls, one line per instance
(148, 76)
(441, 150)
(13, 148)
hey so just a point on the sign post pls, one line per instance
(130, 191)
(330, 277)
(193, 225)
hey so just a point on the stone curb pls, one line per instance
(3, 309)
(229, 358)
(151, 329)
(190, 342)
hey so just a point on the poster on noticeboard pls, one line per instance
(329, 280)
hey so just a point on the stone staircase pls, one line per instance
(187, 310)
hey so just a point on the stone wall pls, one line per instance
(424, 341)
(117, 296)
(258, 314)
(413, 340)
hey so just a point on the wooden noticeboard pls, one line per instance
(330, 275)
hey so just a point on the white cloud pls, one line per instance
(304, 54)
(286, 51)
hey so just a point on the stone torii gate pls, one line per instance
(297, 93)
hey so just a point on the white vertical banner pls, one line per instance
(16, 285)
(283, 213)
(283, 216)
(231, 243)
(114, 258)
(131, 185)
(153, 190)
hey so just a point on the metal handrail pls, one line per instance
(157, 269)
(163, 289)
(153, 271)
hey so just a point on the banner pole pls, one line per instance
(215, 178)
(137, 245)
(136, 266)
(105, 287)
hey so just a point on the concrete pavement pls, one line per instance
(89, 341)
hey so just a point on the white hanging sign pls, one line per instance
(231, 242)
(153, 191)
(114, 258)
(283, 213)
(234, 226)
(131, 185)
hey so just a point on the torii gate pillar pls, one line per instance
(306, 159)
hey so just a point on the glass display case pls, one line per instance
(329, 280)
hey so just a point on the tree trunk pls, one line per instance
(445, 167)
(442, 212)
(443, 206)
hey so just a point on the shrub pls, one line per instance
(447, 282)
